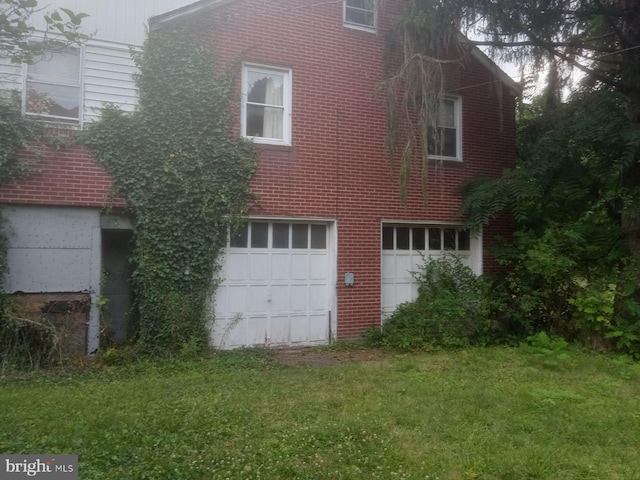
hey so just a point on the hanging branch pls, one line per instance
(415, 93)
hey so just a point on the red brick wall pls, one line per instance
(336, 167)
(64, 176)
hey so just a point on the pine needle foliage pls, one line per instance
(186, 180)
(418, 53)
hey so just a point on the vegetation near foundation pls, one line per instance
(186, 181)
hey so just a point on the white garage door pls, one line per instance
(403, 248)
(275, 286)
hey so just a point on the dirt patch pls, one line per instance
(325, 358)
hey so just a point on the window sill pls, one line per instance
(446, 159)
(362, 28)
(270, 147)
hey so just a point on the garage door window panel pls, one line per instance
(259, 235)
(280, 235)
(318, 237)
(300, 235)
(240, 238)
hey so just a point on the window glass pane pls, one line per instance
(319, 236)
(359, 17)
(418, 238)
(280, 235)
(387, 238)
(58, 100)
(364, 4)
(402, 238)
(449, 142)
(464, 240)
(265, 88)
(264, 121)
(447, 114)
(60, 67)
(299, 235)
(435, 242)
(259, 235)
(449, 238)
(255, 121)
(239, 237)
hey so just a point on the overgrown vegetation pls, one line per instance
(28, 344)
(452, 310)
(186, 180)
(571, 269)
(22, 343)
(549, 412)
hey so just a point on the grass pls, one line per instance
(477, 414)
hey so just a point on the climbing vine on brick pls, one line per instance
(186, 180)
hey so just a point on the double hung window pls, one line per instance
(449, 131)
(52, 89)
(266, 104)
(360, 14)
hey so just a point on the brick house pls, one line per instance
(327, 249)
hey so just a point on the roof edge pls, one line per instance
(493, 68)
(159, 21)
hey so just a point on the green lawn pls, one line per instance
(477, 414)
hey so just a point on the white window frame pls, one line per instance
(287, 103)
(360, 26)
(68, 121)
(457, 111)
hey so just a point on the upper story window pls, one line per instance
(52, 89)
(361, 14)
(450, 131)
(266, 104)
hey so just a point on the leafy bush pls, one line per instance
(452, 310)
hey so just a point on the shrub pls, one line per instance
(451, 311)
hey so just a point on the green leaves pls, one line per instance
(185, 178)
(63, 29)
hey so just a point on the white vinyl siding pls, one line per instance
(10, 75)
(106, 76)
(108, 79)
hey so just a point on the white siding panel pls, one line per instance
(121, 21)
(10, 75)
(108, 79)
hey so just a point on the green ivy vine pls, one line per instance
(186, 180)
